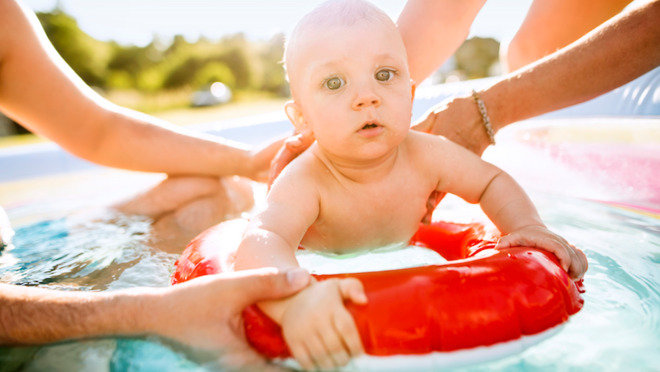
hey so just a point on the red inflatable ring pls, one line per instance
(482, 296)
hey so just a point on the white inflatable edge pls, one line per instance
(438, 360)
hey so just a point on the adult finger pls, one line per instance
(283, 157)
(432, 202)
(263, 157)
(257, 285)
(293, 147)
(425, 123)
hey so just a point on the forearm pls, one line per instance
(39, 90)
(132, 140)
(507, 205)
(613, 54)
(432, 30)
(264, 248)
(30, 316)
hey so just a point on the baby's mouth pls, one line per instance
(369, 126)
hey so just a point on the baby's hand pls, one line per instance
(571, 259)
(317, 327)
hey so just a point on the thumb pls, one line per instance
(293, 146)
(425, 123)
(352, 289)
(505, 242)
(300, 142)
(268, 284)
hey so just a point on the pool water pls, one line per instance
(618, 328)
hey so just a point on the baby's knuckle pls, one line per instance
(345, 326)
(341, 359)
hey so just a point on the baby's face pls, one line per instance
(352, 85)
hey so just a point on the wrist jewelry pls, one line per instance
(484, 117)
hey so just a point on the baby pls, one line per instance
(366, 180)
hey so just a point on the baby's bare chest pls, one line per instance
(368, 216)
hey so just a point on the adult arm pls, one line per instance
(539, 34)
(39, 90)
(432, 30)
(204, 312)
(616, 52)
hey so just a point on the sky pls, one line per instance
(137, 21)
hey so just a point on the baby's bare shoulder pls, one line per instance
(306, 168)
(420, 144)
(416, 137)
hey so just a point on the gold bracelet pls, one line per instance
(484, 117)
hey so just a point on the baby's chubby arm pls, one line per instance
(508, 206)
(466, 175)
(317, 327)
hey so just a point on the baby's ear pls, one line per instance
(295, 116)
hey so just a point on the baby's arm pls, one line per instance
(506, 204)
(317, 327)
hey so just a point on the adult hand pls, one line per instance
(206, 312)
(459, 120)
(293, 146)
(261, 159)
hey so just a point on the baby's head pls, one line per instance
(348, 72)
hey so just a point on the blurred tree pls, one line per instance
(239, 56)
(274, 79)
(87, 56)
(476, 56)
(184, 73)
(241, 64)
(212, 72)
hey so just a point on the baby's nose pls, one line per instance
(365, 99)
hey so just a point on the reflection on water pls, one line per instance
(619, 327)
(100, 254)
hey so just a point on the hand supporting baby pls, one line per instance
(571, 259)
(317, 327)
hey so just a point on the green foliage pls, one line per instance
(274, 79)
(241, 64)
(476, 56)
(215, 71)
(245, 66)
(86, 56)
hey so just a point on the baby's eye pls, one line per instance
(334, 83)
(384, 75)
